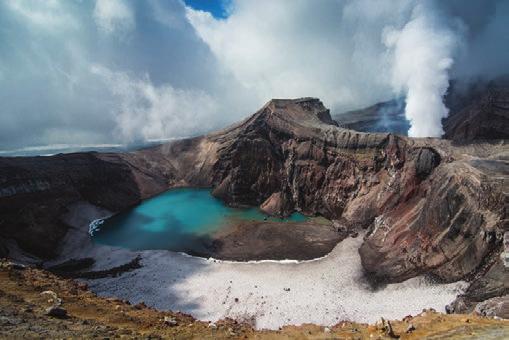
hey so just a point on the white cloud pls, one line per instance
(203, 73)
(144, 111)
(337, 51)
(113, 16)
(169, 14)
(333, 50)
(46, 15)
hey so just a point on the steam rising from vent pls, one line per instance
(422, 52)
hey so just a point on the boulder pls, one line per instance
(170, 321)
(497, 306)
(57, 312)
(427, 160)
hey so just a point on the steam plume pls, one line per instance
(423, 52)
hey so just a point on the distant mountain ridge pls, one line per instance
(479, 112)
(386, 116)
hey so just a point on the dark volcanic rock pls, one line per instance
(57, 312)
(491, 282)
(386, 116)
(287, 158)
(35, 191)
(4, 251)
(427, 160)
(268, 240)
(72, 265)
(486, 118)
(444, 229)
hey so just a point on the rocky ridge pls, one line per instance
(478, 111)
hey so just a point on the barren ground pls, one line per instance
(22, 314)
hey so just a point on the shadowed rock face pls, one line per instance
(430, 207)
(386, 116)
(287, 158)
(477, 113)
(486, 117)
(35, 191)
(446, 228)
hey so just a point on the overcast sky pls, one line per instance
(119, 71)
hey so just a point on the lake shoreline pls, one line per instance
(245, 241)
(192, 221)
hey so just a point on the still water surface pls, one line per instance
(178, 220)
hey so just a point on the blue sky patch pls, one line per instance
(216, 7)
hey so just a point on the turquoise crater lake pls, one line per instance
(180, 220)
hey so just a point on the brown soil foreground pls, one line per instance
(23, 314)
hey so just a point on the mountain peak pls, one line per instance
(303, 109)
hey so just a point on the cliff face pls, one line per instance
(486, 117)
(288, 158)
(448, 228)
(430, 207)
(35, 192)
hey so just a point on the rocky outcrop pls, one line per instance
(446, 228)
(497, 306)
(485, 118)
(287, 157)
(427, 160)
(431, 210)
(430, 207)
(270, 240)
(490, 285)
